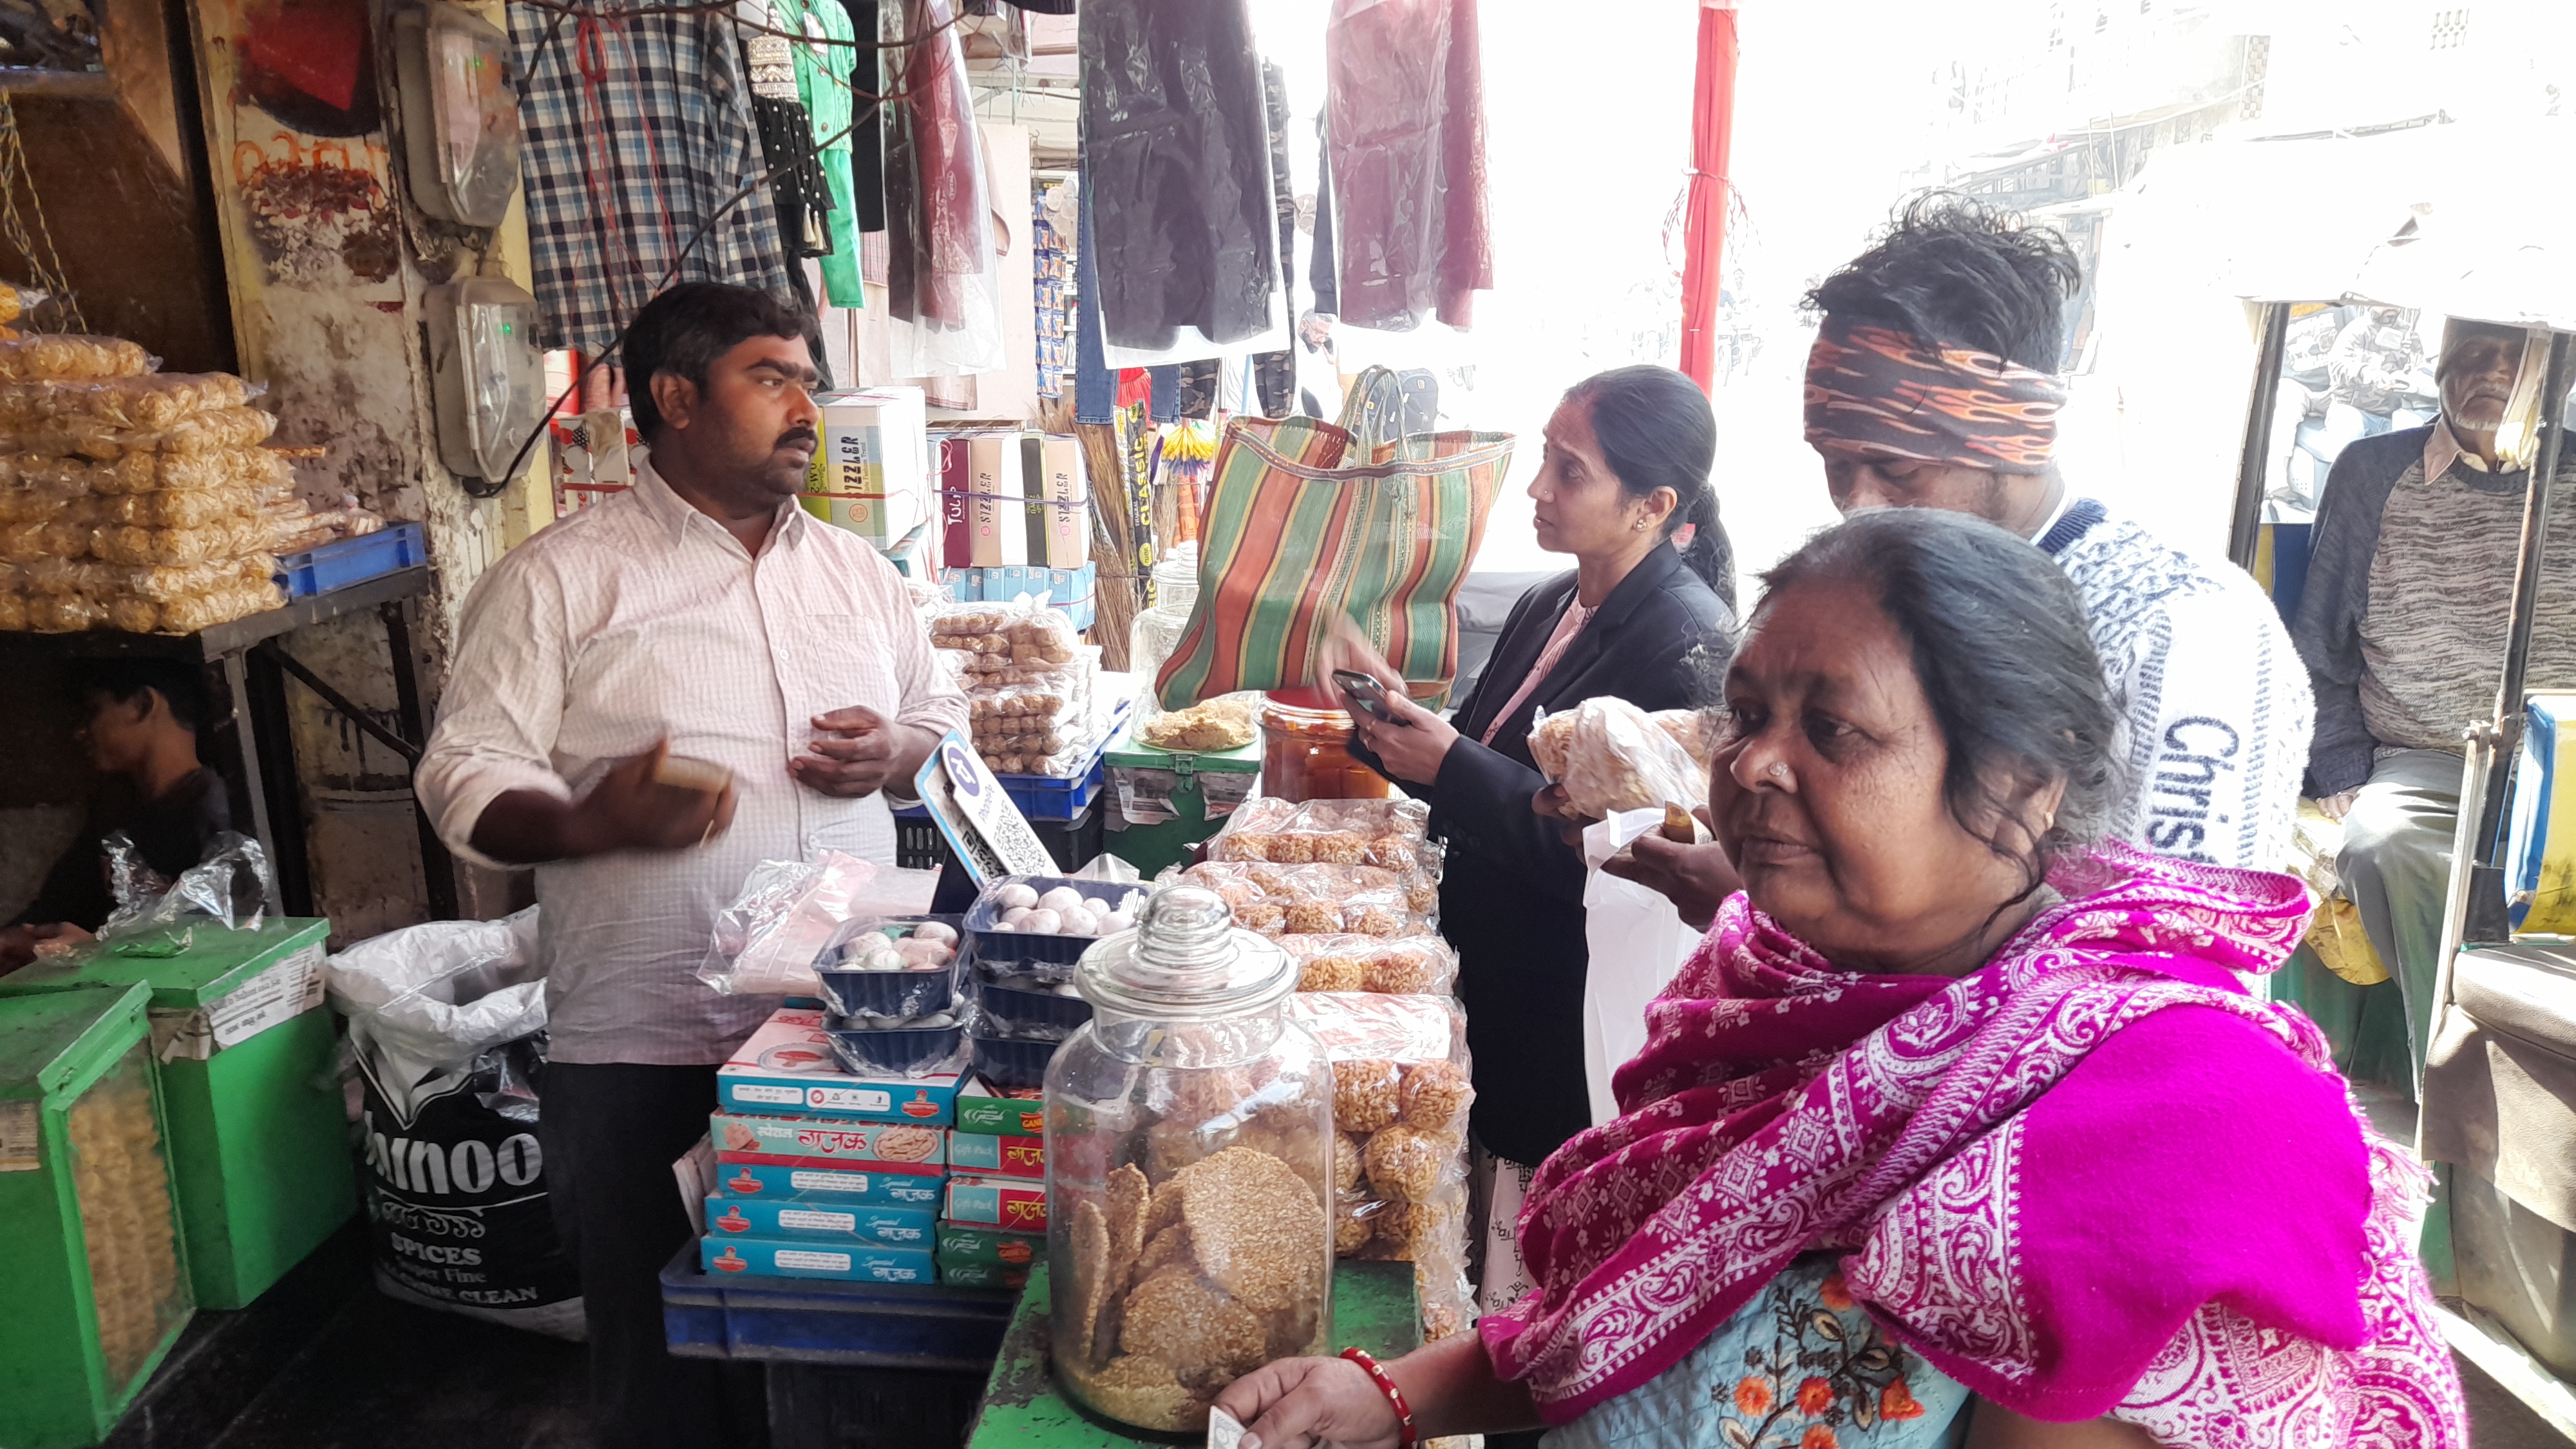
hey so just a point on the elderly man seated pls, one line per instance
(2402, 627)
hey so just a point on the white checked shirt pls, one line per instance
(641, 617)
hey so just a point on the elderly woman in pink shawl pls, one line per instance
(1959, 1127)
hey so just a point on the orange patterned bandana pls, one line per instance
(1880, 391)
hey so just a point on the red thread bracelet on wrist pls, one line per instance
(1404, 1435)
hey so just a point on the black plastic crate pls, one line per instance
(918, 845)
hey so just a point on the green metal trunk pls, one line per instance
(1163, 798)
(97, 1283)
(259, 1137)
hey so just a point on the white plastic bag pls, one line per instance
(447, 1036)
(765, 942)
(435, 996)
(1637, 940)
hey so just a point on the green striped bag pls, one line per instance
(1307, 522)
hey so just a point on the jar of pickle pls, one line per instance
(1306, 755)
(1190, 1167)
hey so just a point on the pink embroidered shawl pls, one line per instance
(2194, 1231)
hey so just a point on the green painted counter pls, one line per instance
(1373, 1308)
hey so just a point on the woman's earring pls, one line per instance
(1641, 525)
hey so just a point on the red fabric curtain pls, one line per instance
(1704, 226)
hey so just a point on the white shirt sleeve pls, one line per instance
(2218, 712)
(504, 702)
(931, 696)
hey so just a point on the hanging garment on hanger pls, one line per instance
(825, 70)
(796, 189)
(1275, 373)
(939, 212)
(867, 143)
(1198, 388)
(1095, 382)
(1404, 120)
(638, 134)
(943, 278)
(1323, 263)
(1176, 159)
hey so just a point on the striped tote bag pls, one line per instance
(1308, 521)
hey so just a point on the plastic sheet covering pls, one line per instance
(766, 941)
(942, 276)
(1401, 1093)
(230, 885)
(1405, 137)
(1177, 171)
(151, 400)
(436, 996)
(764, 944)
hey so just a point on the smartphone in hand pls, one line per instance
(1364, 693)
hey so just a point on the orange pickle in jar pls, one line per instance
(1306, 755)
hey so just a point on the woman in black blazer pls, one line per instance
(1623, 487)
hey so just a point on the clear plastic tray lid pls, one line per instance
(1185, 959)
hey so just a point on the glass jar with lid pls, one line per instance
(1157, 631)
(1190, 1160)
(1306, 755)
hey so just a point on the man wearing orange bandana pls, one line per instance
(1933, 384)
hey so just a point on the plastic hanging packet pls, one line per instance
(230, 885)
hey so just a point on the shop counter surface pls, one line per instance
(1373, 1308)
(233, 636)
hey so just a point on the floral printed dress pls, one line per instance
(1799, 1367)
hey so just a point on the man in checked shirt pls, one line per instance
(705, 615)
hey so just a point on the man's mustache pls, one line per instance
(794, 436)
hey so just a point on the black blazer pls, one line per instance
(1511, 899)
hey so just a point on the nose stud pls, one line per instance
(1778, 771)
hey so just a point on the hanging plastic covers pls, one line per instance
(1404, 129)
(941, 273)
(1176, 172)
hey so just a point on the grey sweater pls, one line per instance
(2409, 592)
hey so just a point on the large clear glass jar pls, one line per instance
(1157, 631)
(1190, 1168)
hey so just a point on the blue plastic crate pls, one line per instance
(815, 1320)
(394, 547)
(1048, 797)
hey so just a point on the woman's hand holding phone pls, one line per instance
(1411, 741)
